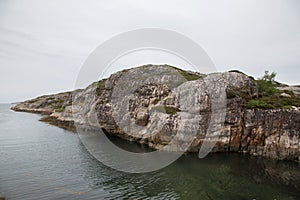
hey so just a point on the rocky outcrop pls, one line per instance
(46, 104)
(294, 89)
(167, 108)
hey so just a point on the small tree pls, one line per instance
(269, 77)
(266, 84)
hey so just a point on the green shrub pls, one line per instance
(254, 103)
(267, 85)
(269, 95)
(98, 88)
(266, 88)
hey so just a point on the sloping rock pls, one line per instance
(294, 89)
(158, 106)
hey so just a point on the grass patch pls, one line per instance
(255, 103)
(274, 102)
(166, 109)
(188, 75)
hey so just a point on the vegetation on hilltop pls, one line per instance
(188, 75)
(269, 97)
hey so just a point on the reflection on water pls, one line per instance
(40, 161)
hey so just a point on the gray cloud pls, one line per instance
(44, 43)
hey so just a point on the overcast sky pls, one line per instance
(43, 43)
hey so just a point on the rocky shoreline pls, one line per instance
(164, 102)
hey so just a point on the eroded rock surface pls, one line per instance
(159, 106)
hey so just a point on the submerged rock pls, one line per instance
(170, 107)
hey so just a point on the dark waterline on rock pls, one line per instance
(41, 161)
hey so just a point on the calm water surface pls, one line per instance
(40, 161)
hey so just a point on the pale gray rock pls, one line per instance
(167, 108)
(285, 95)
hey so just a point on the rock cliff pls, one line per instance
(157, 105)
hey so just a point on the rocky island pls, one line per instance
(262, 117)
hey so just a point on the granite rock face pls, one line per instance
(162, 107)
(294, 89)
